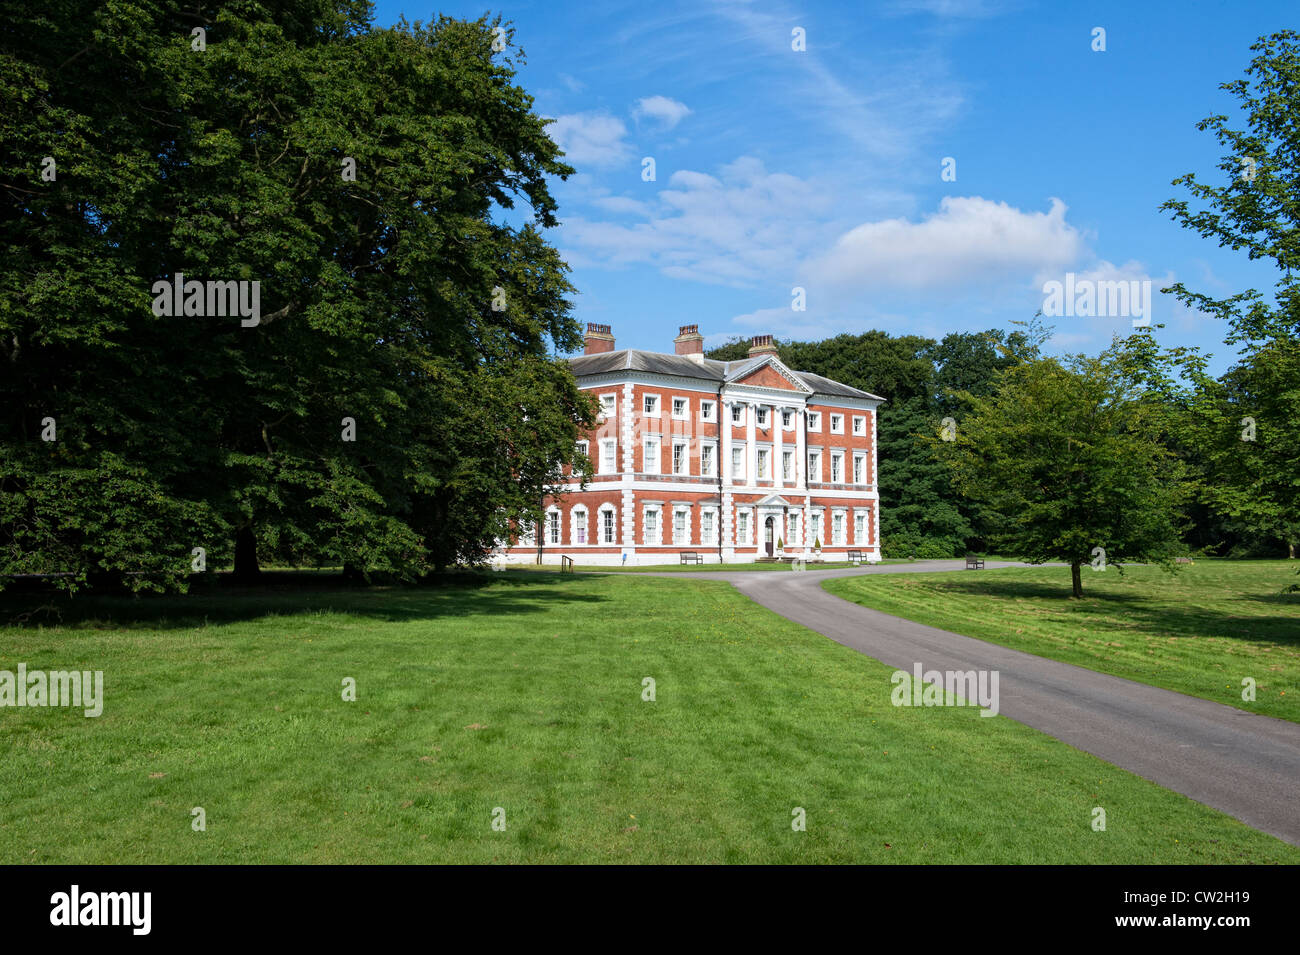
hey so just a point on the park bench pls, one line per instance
(855, 556)
(691, 557)
(974, 563)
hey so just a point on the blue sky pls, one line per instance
(821, 168)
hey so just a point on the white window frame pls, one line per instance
(760, 418)
(738, 458)
(793, 527)
(815, 421)
(708, 409)
(709, 532)
(712, 459)
(600, 527)
(554, 527)
(686, 408)
(837, 467)
(787, 420)
(658, 406)
(738, 415)
(658, 535)
(859, 527)
(682, 538)
(649, 460)
(578, 522)
(612, 397)
(839, 525)
(684, 459)
(815, 465)
(763, 464)
(859, 424)
(608, 443)
(837, 428)
(787, 465)
(859, 468)
(743, 525)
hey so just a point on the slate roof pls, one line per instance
(634, 359)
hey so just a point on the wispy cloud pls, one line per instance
(738, 227)
(592, 138)
(662, 110)
(883, 114)
(947, 9)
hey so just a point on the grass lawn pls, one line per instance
(1199, 632)
(524, 691)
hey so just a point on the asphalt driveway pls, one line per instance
(1240, 763)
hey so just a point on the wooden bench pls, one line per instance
(974, 563)
(855, 556)
(691, 557)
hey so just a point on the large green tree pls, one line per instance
(1253, 206)
(1069, 461)
(367, 178)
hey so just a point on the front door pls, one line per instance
(769, 530)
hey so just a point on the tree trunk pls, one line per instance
(1291, 551)
(1076, 579)
(246, 554)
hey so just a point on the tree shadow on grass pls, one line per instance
(1012, 589)
(222, 601)
(1137, 612)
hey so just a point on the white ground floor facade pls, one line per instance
(643, 522)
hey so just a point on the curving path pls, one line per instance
(1245, 765)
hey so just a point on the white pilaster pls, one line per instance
(751, 449)
(724, 422)
(628, 438)
(778, 449)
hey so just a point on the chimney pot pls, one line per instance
(690, 342)
(761, 345)
(597, 340)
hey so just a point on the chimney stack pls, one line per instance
(690, 342)
(598, 339)
(761, 345)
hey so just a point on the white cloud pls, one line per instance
(947, 9)
(741, 227)
(662, 110)
(591, 139)
(969, 240)
(1101, 274)
(1104, 271)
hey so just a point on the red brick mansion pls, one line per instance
(730, 460)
